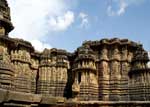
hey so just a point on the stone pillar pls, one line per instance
(34, 73)
(103, 72)
(21, 60)
(43, 84)
(124, 68)
(6, 69)
(115, 75)
(61, 75)
(53, 73)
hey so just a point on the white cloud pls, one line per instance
(34, 19)
(40, 46)
(123, 6)
(84, 19)
(60, 23)
(118, 7)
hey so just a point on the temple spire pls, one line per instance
(5, 18)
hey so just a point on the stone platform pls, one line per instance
(19, 99)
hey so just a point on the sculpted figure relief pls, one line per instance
(130, 56)
(105, 69)
(93, 79)
(104, 54)
(116, 54)
(125, 68)
(124, 54)
(115, 68)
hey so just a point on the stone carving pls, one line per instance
(93, 79)
(2, 31)
(116, 54)
(85, 75)
(106, 70)
(53, 73)
(124, 54)
(104, 54)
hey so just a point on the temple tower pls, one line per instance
(113, 63)
(85, 85)
(45, 84)
(6, 68)
(53, 73)
(5, 19)
(139, 76)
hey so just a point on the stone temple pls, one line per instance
(103, 73)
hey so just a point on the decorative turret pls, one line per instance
(85, 86)
(139, 76)
(53, 72)
(113, 62)
(140, 59)
(5, 19)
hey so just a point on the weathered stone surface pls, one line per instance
(5, 20)
(3, 94)
(108, 73)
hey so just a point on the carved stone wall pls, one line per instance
(6, 68)
(106, 70)
(21, 60)
(103, 74)
(114, 62)
(53, 73)
(139, 76)
(100, 72)
(85, 86)
(34, 71)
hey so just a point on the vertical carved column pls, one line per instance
(6, 68)
(43, 83)
(34, 71)
(124, 74)
(115, 74)
(21, 60)
(52, 87)
(53, 73)
(104, 76)
(61, 75)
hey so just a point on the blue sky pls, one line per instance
(66, 24)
